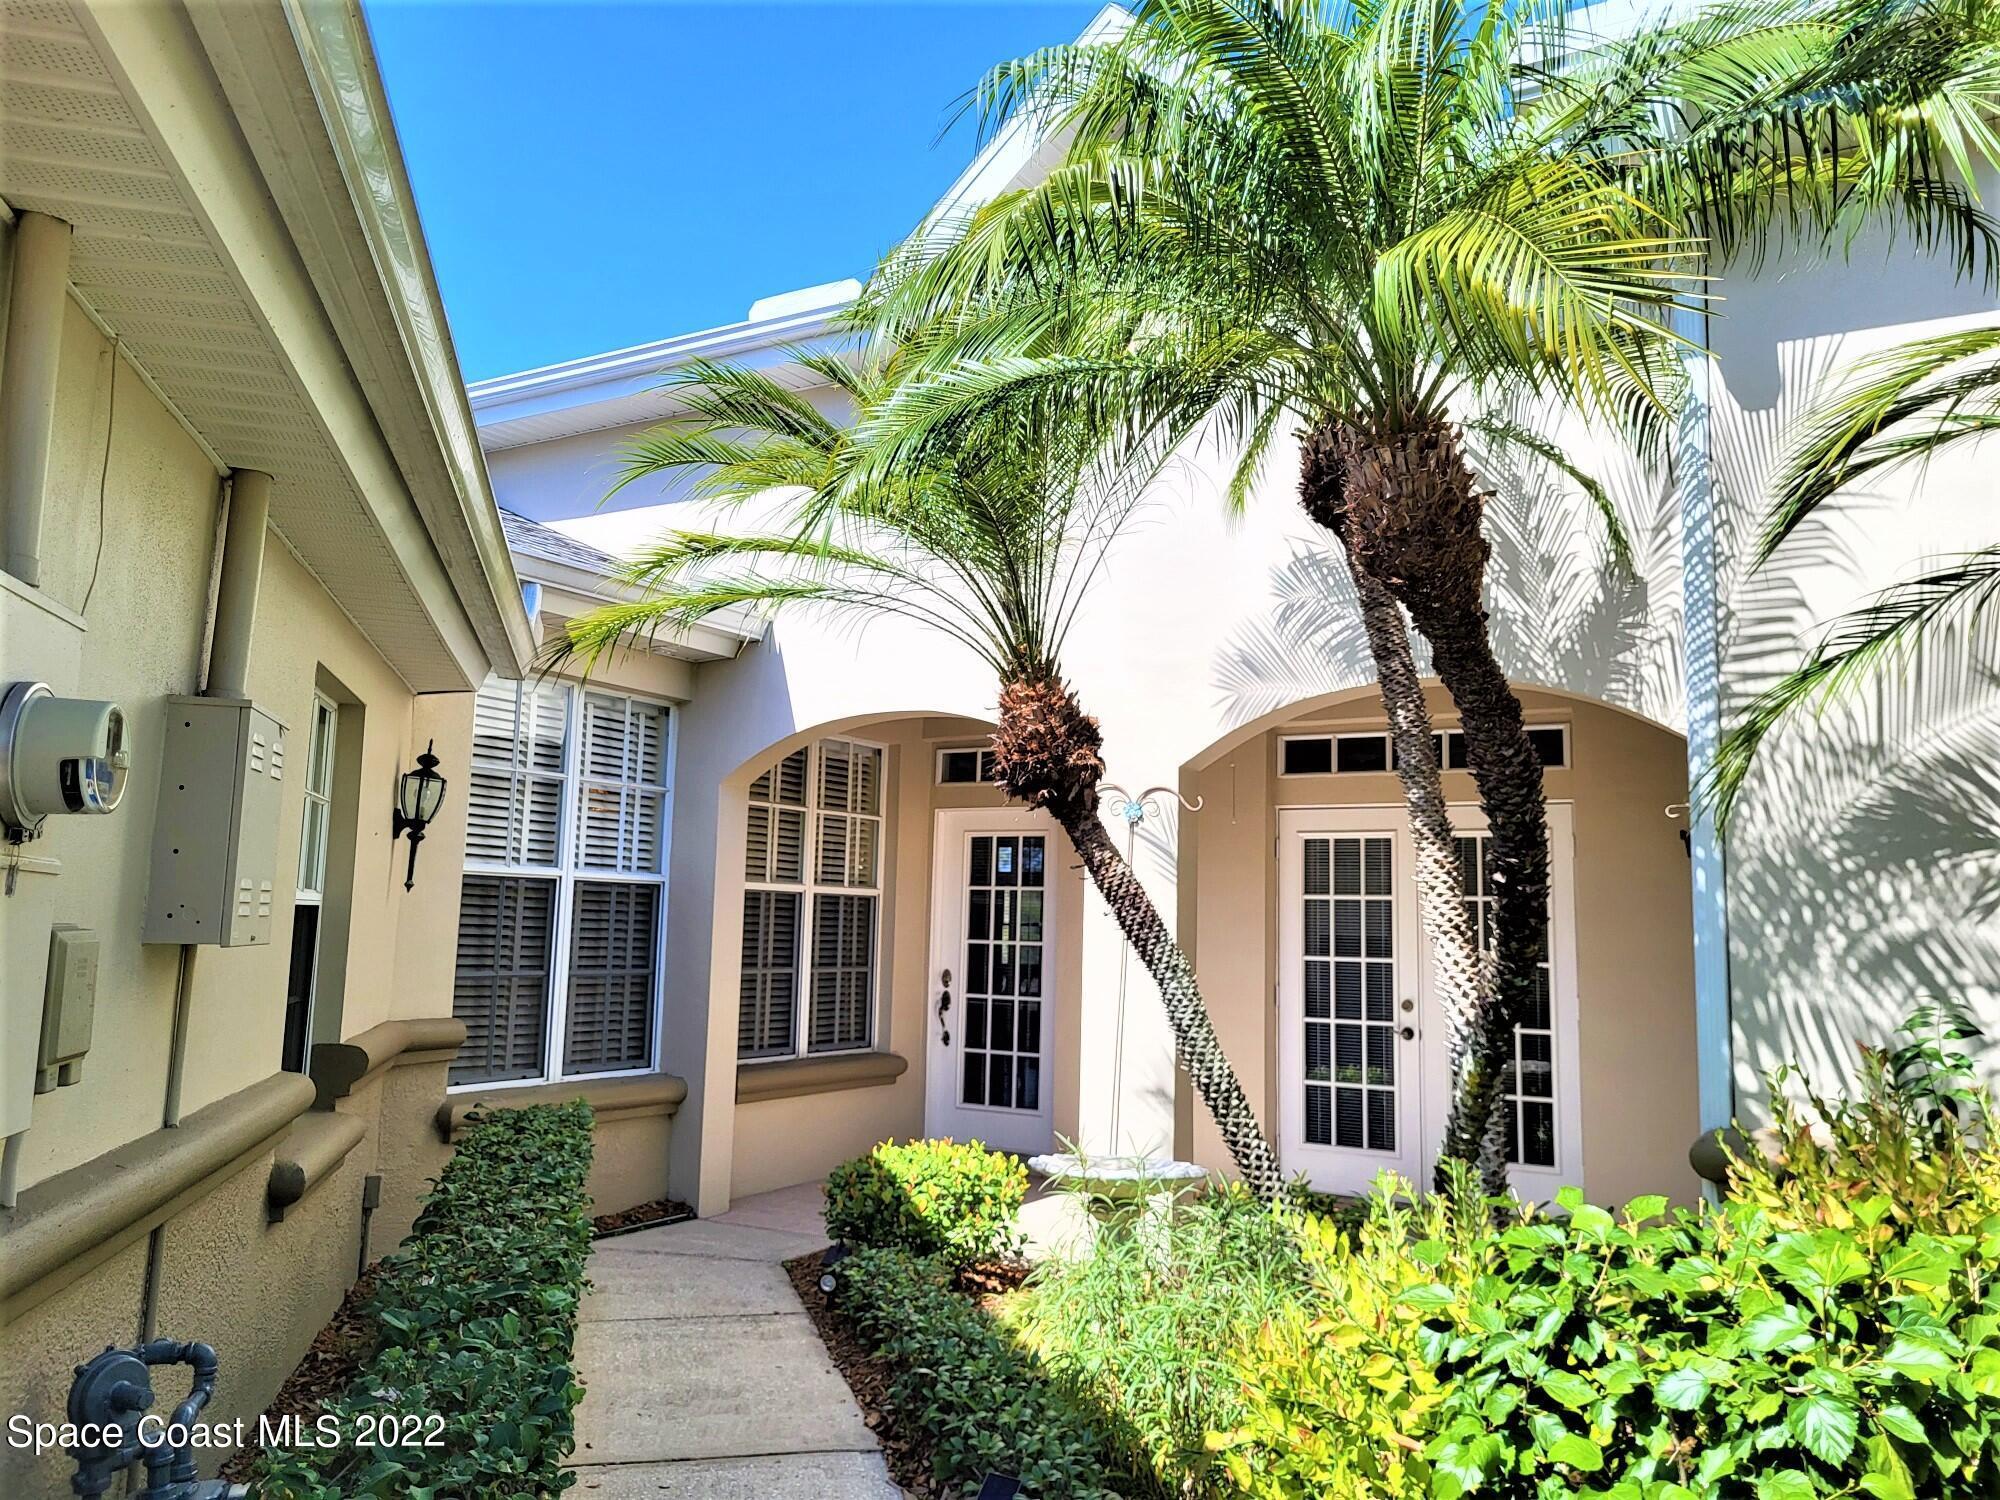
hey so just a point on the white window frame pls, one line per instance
(1439, 736)
(568, 872)
(303, 894)
(811, 888)
(982, 775)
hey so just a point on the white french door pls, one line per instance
(990, 1006)
(1348, 999)
(1364, 1067)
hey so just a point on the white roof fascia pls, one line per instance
(163, 71)
(588, 392)
(303, 80)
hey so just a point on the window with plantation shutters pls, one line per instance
(621, 778)
(519, 735)
(612, 936)
(565, 891)
(812, 902)
(501, 990)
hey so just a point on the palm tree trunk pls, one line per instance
(1411, 513)
(1457, 968)
(1046, 754)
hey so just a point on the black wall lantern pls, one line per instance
(418, 796)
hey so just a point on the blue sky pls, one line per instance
(593, 176)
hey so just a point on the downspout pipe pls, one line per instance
(39, 297)
(238, 580)
(1714, 1027)
(236, 591)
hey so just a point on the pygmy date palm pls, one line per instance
(1370, 221)
(1374, 216)
(993, 542)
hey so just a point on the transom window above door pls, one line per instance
(562, 909)
(1374, 751)
(812, 903)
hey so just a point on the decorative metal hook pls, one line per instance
(1135, 810)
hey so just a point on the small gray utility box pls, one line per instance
(215, 839)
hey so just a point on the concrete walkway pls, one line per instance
(704, 1378)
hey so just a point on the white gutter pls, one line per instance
(622, 374)
(36, 305)
(339, 59)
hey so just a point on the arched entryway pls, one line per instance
(895, 949)
(1300, 910)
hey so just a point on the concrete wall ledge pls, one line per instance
(64, 1226)
(817, 1075)
(339, 1068)
(311, 1152)
(609, 1099)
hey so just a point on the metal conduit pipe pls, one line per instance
(236, 592)
(38, 300)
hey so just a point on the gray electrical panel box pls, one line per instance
(215, 838)
(69, 1006)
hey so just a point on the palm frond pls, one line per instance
(1900, 406)
(1886, 629)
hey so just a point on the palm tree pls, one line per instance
(1380, 222)
(994, 543)
(1899, 408)
(1371, 221)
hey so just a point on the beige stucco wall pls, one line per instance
(1634, 965)
(257, 1291)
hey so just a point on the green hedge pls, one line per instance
(1832, 1329)
(984, 1404)
(930, 1198)
(476, 1317)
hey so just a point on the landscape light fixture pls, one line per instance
(418, 796)
(829, 1280)
(999, 1487)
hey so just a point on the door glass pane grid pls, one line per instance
(1529, 1086)
(1005, 902)
(1351, 1077)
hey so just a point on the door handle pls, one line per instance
(943, 1006)
(1409, 1033)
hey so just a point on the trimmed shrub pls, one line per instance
(470, 1385)
(929, 1198)
(981, 1401)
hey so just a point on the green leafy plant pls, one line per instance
(945, 1198)
(1832, 1329)
(475, 1317)
(1914, 1132)
(981, 1402)
(1147, 1322)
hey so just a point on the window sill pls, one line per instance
(609, 1099)
(817, 1075)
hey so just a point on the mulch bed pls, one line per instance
(325, 1372)
(641, 1215)
(908, 1453)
